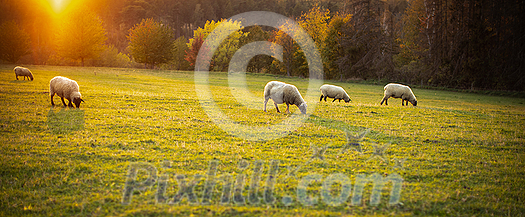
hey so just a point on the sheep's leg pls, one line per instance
(385, 99)
(334, 100)
(403, 102)
(287, 108)
(265, 101)
(277, 107)
(321, 99)
(325, 98)
(62, 98)
(70, 104)
(52, 103)
(17, 77)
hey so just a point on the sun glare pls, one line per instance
(58, 6)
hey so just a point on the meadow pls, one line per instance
(142, 145)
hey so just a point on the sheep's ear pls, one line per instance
(82, 100)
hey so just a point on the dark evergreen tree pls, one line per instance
(15, 42)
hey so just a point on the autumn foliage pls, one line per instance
(194, 47)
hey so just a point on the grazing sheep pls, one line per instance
(281, 93)
(399, 91)
(22, 71)
(65, 88)
(332, 91)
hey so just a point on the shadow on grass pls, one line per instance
(347, 128)
(65, 120)
(334, 124)
(20, 81)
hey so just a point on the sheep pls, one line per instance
(22, 71)
(65, 88)
(280, 93)
(399, 91)
(335, 92)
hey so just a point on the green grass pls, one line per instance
(459, 154)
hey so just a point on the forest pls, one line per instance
(467, 44)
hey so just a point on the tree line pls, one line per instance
(472, 44)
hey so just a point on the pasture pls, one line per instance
(458, 154)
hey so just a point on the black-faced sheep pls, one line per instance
(65, 88)
(332, 91)
(399, 91)
(280, 93)
(22, 71)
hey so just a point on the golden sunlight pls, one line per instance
(58, 6)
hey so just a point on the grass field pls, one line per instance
(457, 154)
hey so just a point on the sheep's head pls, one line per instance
(414, 102)
(31, 76)
(302, 107)
(77, 99)
(347, 99)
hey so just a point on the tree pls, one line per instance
(257, 63)
(366, 46)
(110, 57)
(332, 49)
(465, 44)
(179, 52)
(81, 36)
(411, 45)
(194, 46)
(15, 42)
(151, 43)
(222, 56)
(289, 49)
(315, 23)
(228, 46)
(134, 12)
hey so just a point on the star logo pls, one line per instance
(379, 152)
(353, 142)
(318, 152)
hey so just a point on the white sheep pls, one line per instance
(332, 91)
(65, 88)
(280, 93)
(22, 71)
(399, 91)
